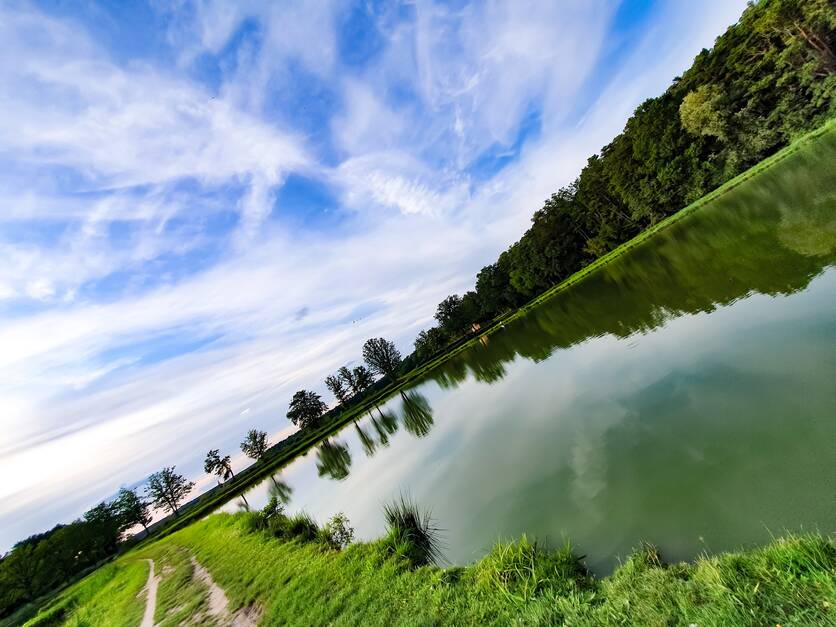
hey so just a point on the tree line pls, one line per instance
(768, 79)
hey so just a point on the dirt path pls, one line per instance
(151, 600)
(219, 603)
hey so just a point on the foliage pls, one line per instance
(337, 532)
(215, 464)
(167, 489)
(47, 560)
(382, 357)
(306, 409)
(701, 112)
(132, 510)
(255, 445)
(337, 387)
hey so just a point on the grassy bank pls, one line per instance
(791, 581)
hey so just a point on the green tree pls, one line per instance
(337, 385)
(132, 510)
(167, 489)
(215, 464)
(306, 409)
(104, 523)
(382, 357)
(255, 445)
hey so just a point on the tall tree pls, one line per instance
(363, 378)
(132, 510)
(103, 523)
(215, 464)
(337, 387)
(167, 489)
(347, 377)
(306, 409)
(255, 445)
(382, 357)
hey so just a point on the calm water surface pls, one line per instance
(684, 395)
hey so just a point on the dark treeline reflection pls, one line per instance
(280, 489)
(771, 235)
(416, 413)
(334, 458)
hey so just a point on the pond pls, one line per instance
(684, 394)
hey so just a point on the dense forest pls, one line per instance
(770, 78)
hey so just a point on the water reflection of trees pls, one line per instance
(280, 489)
(333, 460)
(771, 235)
(416, 413)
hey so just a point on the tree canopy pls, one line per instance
(255, 445)
(167, 489)
(306, 409)
(382, 357)
(217, 465)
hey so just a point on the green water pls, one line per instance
(685, 395)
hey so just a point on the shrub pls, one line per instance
(302, 527)
(337, 533)
(412, 533)
(277, 525)
(273, 508)
(252, 522)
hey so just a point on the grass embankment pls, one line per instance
(291, 581)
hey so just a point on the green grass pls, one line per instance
(108, 597)
(790, 581)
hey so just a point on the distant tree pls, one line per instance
(215, 464)
(447, 312)
(167, 489)
(132, 510)
(347, 377)
(382, 357)
(358, 379)
(337, 387)
(104, 525)
(429, 342)
(306, 409)
(255, 445)
(363, 378)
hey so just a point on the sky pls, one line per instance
(206, 205)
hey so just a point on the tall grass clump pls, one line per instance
(521, 570)
(412, 534)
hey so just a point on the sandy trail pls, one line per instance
(151, 600)
(219, 603)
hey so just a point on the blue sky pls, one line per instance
(205, 206)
